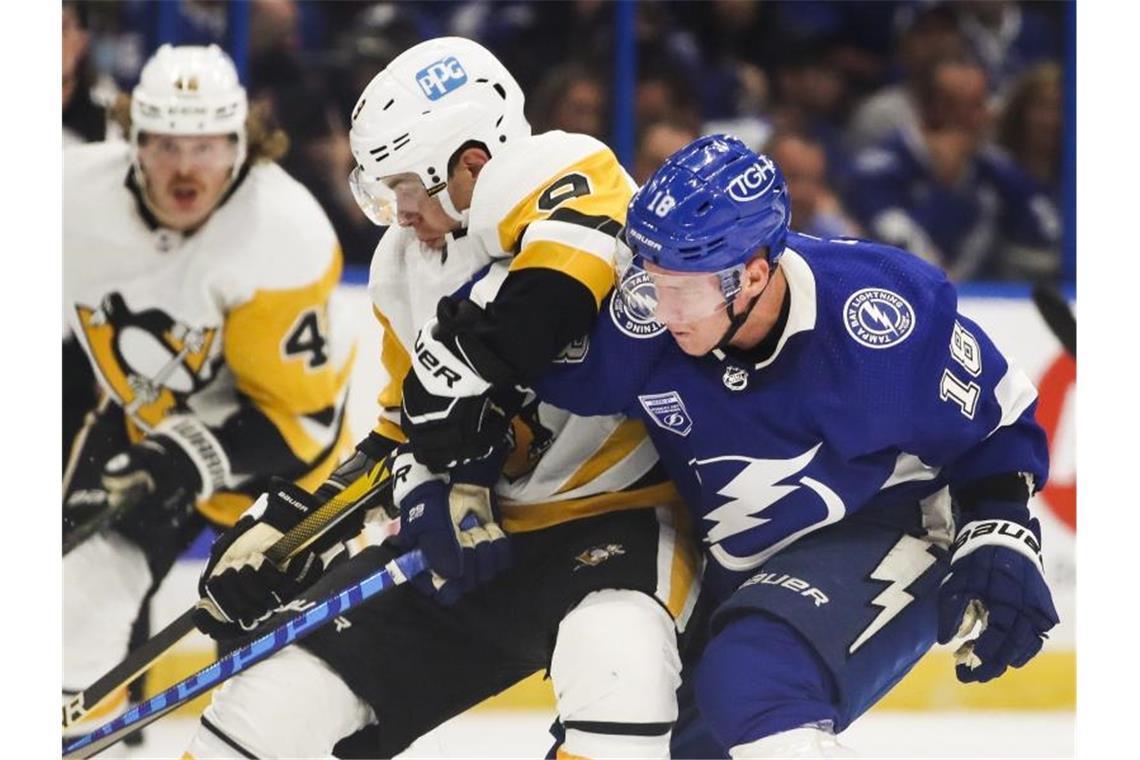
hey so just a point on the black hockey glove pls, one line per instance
(459, 399)
(240, 587)
(150, 483)
(453, 520)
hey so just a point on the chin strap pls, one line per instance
(736, 321)
(450, 209)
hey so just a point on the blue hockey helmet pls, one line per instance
(711, 206)
(703, 215)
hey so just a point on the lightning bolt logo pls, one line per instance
(872, 308)
(757, 486)
(878, 318)
(904, 564)
(754, 489)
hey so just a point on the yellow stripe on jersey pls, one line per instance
(398, 363)
(277, 349)
(593, 272)
(628, 435)
(595, 186)
(685, 567)
(523, 518)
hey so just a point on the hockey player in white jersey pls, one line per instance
(603, 576)
(197, 279)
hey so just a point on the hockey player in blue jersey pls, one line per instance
(857, 455)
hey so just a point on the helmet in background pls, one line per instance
(189, 90)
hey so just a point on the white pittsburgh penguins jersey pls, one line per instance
(222, 339)
(555, 200)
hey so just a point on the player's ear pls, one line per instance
(756, 274)
(473, 160)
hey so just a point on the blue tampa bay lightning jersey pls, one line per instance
(877, 392)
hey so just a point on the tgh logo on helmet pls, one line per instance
(439, 78)
(753, 182)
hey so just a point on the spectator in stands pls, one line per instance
(815, 207)
(656, 142)
(663, 94)
(941, 192)
(84, 120)
(811, 98)
(932, 35)
(571, 98)
(1030, 126)
(1007, 37)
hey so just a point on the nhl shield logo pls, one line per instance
(735, 378)
(878, 318)
(668, 411)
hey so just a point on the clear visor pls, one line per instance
(649, 292)
(383, 200)
(187, 152)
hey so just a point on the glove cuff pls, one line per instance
(1004, 533)
(190, 437)
(408, 473)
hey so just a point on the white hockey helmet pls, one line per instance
(189, 90)
(418, 111)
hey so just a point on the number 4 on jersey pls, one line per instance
(305, 339)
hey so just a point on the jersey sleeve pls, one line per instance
(560, 238)
(291, 375)
(568, 224)
(397, 363)
(972, 411)
(602, 372)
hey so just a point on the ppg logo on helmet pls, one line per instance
(753, 182)
(439, 78)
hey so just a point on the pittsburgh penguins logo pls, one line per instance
(529, 439)
(152, 362)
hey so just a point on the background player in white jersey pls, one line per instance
(197, 279)
(603, 576)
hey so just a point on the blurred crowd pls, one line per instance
(935, 126)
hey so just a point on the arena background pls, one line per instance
(622, 70)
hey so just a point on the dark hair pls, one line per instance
(1011, 123)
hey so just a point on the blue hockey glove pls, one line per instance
(996, 579)
(453, 523)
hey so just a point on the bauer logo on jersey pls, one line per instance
(629, 306)
(668, 411)
(439, 78)
(753, 182)
(878, 318)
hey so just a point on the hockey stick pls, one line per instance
(395, 573)
(1058, 316)
(296, 540)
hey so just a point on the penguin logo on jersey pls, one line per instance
(878, 318)
(627, 311)
(150, 361)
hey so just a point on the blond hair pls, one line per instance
(265, 141)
